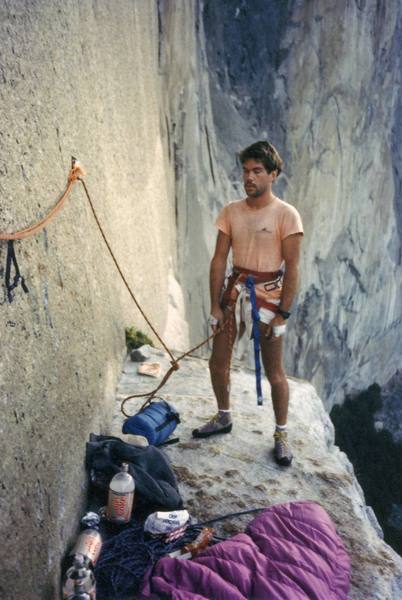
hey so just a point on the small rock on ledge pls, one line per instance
(141, 354)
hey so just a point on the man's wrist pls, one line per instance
(285, 314)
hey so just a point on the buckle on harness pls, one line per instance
(274, 284)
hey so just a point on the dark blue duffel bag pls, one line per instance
(155, 422)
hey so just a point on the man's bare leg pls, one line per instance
(272, 353)
(219, 365)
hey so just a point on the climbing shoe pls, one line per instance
(218, 424)
(282, 452)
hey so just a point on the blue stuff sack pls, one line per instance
(155, 422)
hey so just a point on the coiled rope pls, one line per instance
(127, 556)
(77, 173)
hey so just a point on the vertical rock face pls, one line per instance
(349, 195)
(323, 82)
(192, 150)
(75, 78)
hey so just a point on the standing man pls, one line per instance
(265, 235)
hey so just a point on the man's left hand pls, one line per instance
(276, 321)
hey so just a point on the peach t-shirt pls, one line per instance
(256, 233)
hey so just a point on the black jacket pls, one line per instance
(155, 483)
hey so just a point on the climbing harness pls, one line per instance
(235, 287)
(250, 285)
(240, 287)
(78, 174)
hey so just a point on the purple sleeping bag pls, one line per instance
(289, 552)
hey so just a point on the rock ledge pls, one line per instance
(235, 472)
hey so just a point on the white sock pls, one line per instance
(224, 416)
(223, 410)
(281, 427)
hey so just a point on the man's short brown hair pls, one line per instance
(265, 153)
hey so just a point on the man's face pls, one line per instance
(256, 179)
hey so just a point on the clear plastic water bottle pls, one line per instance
(79, 592)
(89, 542)
(82, 558)
(121, 497)
(79, 582)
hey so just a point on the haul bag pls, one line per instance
(155, 422)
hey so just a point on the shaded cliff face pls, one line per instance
(200, 182)
(323, 82)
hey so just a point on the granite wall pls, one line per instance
(82, 79)
(322, 80)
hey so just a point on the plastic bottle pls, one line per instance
(79, 582)
(82, 558)
(80, 593)
(121, 497)
(89, 542)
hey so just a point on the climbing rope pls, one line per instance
(150, 395)
(126, 557)
(122, 275)
(78, 174)
(174, 361)
(75, 173)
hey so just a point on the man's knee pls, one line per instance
(219, 366)
(276, 377)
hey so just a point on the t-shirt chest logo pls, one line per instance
(263, 230)
(260, 226)
(259, 229)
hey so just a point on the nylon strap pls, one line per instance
(250, 285)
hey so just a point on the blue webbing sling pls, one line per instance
(250, 285)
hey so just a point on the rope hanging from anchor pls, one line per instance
(78, 174)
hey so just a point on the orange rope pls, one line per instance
(75, 173)
(174, 361)
(122, 275)
(174, 367)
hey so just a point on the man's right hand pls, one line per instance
(217, 278)
(216, 318)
